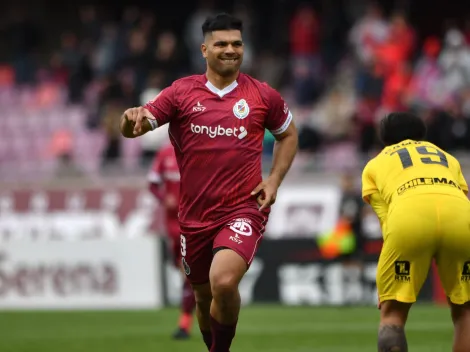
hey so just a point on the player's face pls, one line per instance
(223, 51)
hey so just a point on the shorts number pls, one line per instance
(406, 161)
(183, 245)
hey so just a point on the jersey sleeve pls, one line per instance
(279, 116)
(163, 107)
(368, 182)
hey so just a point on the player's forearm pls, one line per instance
(127, 127)
(284, 153)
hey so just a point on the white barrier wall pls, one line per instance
(118, 273)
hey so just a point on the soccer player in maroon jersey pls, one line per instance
(164, 183)
(217, 122)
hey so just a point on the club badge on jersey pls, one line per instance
(241, 109)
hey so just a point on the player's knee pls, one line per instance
(394, 312)
(224, 283)
(226, 272)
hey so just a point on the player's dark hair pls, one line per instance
(221, 22)
(399, 126)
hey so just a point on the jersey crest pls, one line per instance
(241, 109)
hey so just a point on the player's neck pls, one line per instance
(220, 82)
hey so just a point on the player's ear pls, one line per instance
(204, 50)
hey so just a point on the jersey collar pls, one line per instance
(221, 92)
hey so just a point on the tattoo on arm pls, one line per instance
(392, 339)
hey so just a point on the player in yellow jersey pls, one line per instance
(419, 194)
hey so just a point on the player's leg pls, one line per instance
(234, 247)
(227, 270)
(203, 295)
(196, 252)
(393, 317)
(461, 318)
(453, 262)
(188, 302)
(402, 269)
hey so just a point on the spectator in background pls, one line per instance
(304, 34)
(394, 90)
(138, 60)
(455, 61)
(397, 48)
(90, 25)
(74, 58)
(169, 58)
(23, 38)
(147, 25)
(365, 119)
(119, 92)
(426, 88)
(368, 32)
(192, 34)
(106, 52)
(334, 115)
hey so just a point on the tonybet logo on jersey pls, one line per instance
(214, 131)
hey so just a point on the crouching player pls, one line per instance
(419, 194)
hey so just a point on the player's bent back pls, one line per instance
(419, 194)
(411, 168)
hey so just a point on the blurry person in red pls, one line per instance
(164, 183)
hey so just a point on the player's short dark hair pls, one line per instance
(399, 126)
(221, 22)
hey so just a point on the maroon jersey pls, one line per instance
(165, 175)
(218, 139)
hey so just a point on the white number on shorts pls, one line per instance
(183, 245)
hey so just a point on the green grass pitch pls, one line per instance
(261, 328)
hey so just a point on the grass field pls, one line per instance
(261, 328)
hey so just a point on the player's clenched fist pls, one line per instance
(135, 122)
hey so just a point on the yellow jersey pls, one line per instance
(410, 168)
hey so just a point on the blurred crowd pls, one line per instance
(341, 70)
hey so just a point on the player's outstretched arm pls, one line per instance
(136, 122)
(285, 149)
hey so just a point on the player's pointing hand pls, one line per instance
(266, 193)
(137, 116)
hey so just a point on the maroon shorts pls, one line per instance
(241, 234)
(174, 248)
